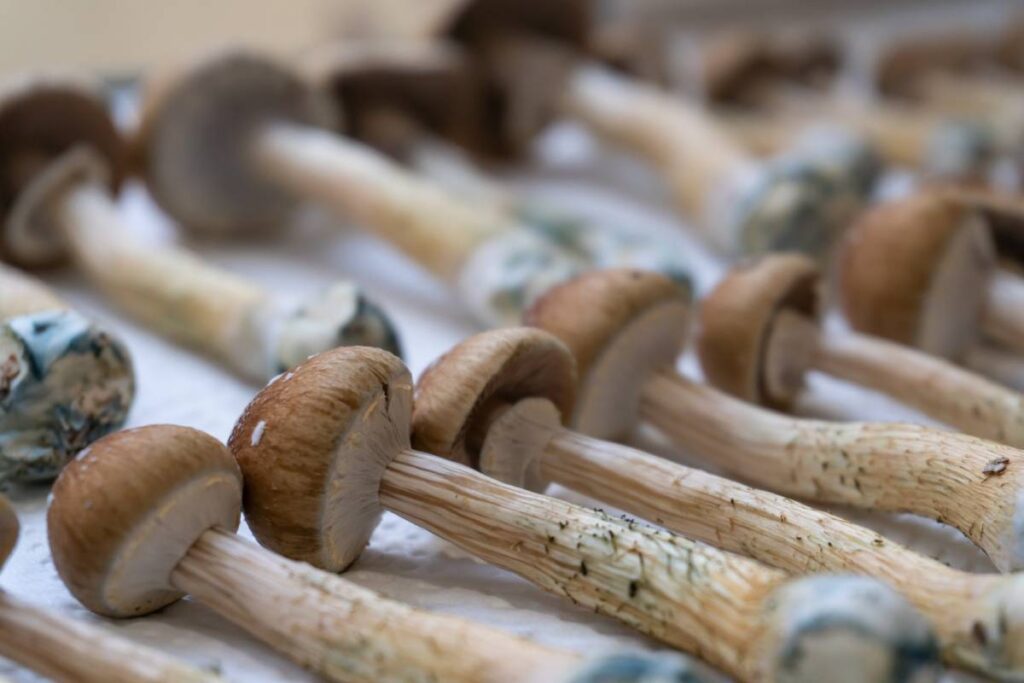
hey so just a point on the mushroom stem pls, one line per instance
(65, 649)
(780, 532)
(949, 394)
(167, 289)
(349, 633)
(968, 483)
(695, 154)
(21, 294)
(685, 594)
(1003, 317)
(436, 229)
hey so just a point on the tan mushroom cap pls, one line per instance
(915, 271)
(8, 530)
(622, 326)
(127, 509)
(736, 321)
(195, 132)
(313, 446)
(54, 129)
(462, 391)
(433, 85)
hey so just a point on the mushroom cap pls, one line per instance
(195, 134)
(473, 21)
(736, 324)
(340, 315)
(915, 270)
(8, 530)
(64, 382)
(740, 65)
(54, 130)
(126, 511)
(823, 624)
(313, 446)
(621, 326)
(520, 94)
(432, 84)
(459, 395)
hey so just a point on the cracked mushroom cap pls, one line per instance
(54, 130)
(8, 530)
(193, 145)
(128, 509)
(621, 326)
(735, 344)
(915, 271)
(462, 392)
(385, 88)
(313, 446)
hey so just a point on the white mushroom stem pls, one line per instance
(168, 289)
(960, 480)
(949, 394)
(685, 594)
(768, 527)
(64, 649)
(696, 155)
(435, 228)
(1003, 314)
(346, 632)
(21, 294)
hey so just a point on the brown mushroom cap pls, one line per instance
(8, 530)
(459, 395)
(127, 510)
(313, 446)
(622, 326)
(915, 271)
(472, 21)
(736, 323)
(53, 130)
(739, 65)
(432, 84)
(193, 142)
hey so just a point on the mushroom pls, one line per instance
(922, 271)
(420, 103)
(760, 335)
(280, 149)
(148, 515)
(485, 404)
(626, 328)
(327, 451)
(534, 68)
(64, 381)
(71, 651)
(60, 160)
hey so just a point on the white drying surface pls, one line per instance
(402, 561)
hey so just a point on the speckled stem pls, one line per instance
(21, 294)
(775, 530)
(698, 158)
(941, 390)
(1003, 318)
(960, 480)
(690, 596)
(64, 649)
(349, 633)
(169, 290)
(434, 228)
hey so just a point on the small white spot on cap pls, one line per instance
(257, 433)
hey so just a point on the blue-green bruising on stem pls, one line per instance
(63, 384)
(644, 668)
